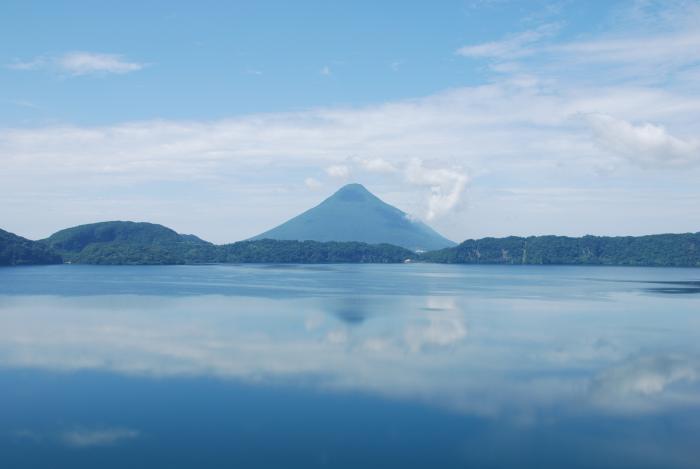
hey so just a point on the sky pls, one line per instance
(224, 119)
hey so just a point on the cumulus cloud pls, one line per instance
(81, 63)
(84, 438)
(446, 186)
(647, 145)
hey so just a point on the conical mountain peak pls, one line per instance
(353, 213)
(353, 191)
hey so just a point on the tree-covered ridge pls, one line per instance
(311, 252)
(129, 243)
(15, 250)
(667, 250)
(260, 251)
(121, 243)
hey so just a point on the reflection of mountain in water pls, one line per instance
(352, 311)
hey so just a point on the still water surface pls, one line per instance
(349, 366)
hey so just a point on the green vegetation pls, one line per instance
(124, 243)
(15, 250)
(129, 243)
(667, 250)
(311, 252)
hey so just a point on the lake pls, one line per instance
(349, 366)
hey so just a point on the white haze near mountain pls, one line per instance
(594, 135)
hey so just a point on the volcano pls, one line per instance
(355, 214)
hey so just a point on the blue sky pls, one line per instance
(481, 117)
(209, 60)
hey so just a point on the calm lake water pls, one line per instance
(352, 366)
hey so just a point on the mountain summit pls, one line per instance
(355, 214)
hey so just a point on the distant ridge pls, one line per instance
(662, 250)
(355, 214)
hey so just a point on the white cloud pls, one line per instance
(637, 383)
(338, 171)
(520, 131)
(313, 183)
(646, 145)
(651, 47)
(446, 186)
(326, 70)
(33, 64)
(516, 45)
(412, 355)
(375, 165)
(81, 63)
(442, 330)
(501, 134)
(680, 47)
(84, 438)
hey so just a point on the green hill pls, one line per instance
(355, 214)
(665, 250)
(15, 250)
(126, 242)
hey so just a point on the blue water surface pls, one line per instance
(349, 366)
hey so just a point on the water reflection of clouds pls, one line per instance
(640, 382)
(481, 358)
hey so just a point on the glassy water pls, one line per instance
(349, 366)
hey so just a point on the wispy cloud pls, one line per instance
(326, 70)
(641, 55)
(81, 63)
(515, 45)
(34, 64)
